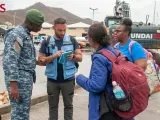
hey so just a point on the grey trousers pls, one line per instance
(67, 90)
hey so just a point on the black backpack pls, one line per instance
(72, 40)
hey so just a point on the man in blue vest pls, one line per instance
(60, 77)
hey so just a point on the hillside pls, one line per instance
(50, 13)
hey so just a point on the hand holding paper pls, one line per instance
(64, 56)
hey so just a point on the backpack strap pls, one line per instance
(105, 96)
(116, 45)
(47, 43)
(48, 40)
(110, 55)
(104, 106)
(130, 46)
(73, 41)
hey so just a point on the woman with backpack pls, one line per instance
(101, 70)
(129, 48)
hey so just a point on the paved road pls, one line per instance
(40, 111)
(153, 110)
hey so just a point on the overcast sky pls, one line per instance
(139, 8)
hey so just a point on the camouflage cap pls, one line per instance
(35, 16)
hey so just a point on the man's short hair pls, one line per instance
(59, 21)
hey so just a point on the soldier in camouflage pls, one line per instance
(19, 64)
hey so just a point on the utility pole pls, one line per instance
(157, 19)
(14, 19)
(147, 18)
(93, 14)
(154, 13)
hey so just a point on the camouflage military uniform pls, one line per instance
(19, 66)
